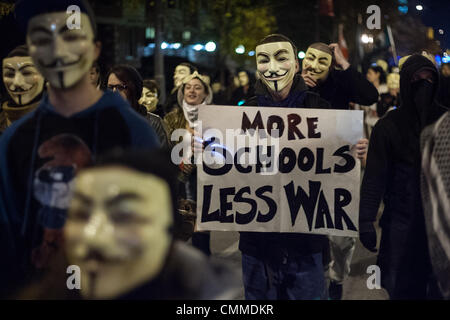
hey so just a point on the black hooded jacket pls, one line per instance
(345, 86)
(393, 174)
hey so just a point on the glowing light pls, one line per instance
(240, 49)
(164, 45)
(210, 46)
(251, 53)
(176, 45)
(441, 31)
(301, 55)
(419, 7)
(365, 38)
(198, 47)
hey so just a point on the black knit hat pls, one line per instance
(25, 10)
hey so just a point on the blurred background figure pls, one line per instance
(181, 71)
(94, 75)
(390, 100)
(24, 85)
(150, 97)
(245, 89)
(377, 77)
(127, 81)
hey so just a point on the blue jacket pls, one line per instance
(39, 156)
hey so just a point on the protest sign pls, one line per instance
(302, 177)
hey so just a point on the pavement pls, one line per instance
(224, 248)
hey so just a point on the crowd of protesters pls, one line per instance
(86, 177)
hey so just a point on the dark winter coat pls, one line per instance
(345, 86)
(393, 174)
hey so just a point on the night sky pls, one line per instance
(436, 14)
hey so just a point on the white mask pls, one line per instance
(180, 73)
(22, 80)
(63, 56)
(117, 229)
(276, 64)
(149, 99)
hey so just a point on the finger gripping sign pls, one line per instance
(279, 170)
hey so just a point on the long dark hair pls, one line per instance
(379, 70)
(133, 80)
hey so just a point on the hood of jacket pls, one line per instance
(420, 114)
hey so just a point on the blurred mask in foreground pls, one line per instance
(276, 64)
(22, 80)
(117, 229)
(62, 55)
(317, 61)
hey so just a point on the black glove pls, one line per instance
(368, 238)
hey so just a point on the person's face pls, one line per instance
(93, 76)
(180, 73)
(317, 64)
(276, 64)
(372, 76)
(243, 78)
(115, 84)
(117, 229)
(22, 80)
(194, 92)
(63, 56)
(149, 99)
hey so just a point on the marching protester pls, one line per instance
(193, 93)
(131, 256)
(24, 85)
(181, 71)
(435, 187)
(150, 97)
(270, 260)
(41, 152)
(377, 77)
(391, 99)
(393, 175)
(128, 82)
(327, 72)
(244, 91)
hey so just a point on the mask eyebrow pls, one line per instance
(263, 54)
(121, 197)
(40, 29)
(280, 52)
(64, 28)
(81, 197)
(10, 68)
(26, 65)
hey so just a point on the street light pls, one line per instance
(251, 53)
(240, 49)
(365, 38)
(210, 46)
(164, 45)
(419, 7)
(198, 47)
(301, 55)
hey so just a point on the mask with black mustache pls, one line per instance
(276, 64)
(22, 80)
(61, 54)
